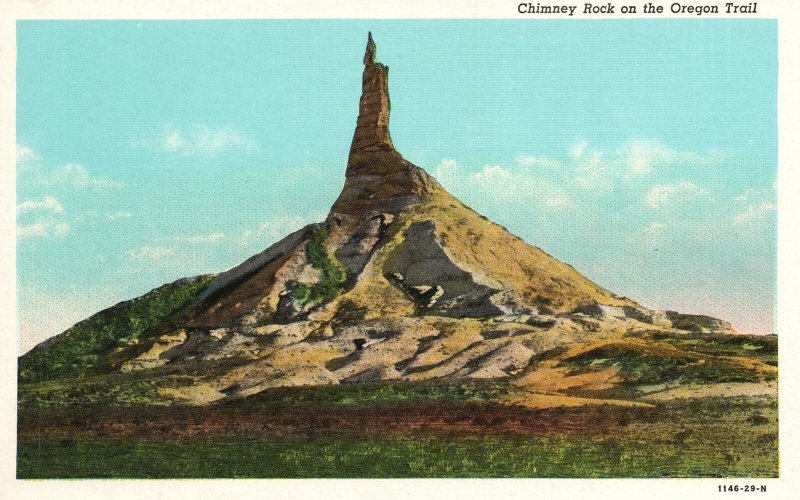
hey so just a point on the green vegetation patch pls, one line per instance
(83, 349)
(332, 274)
(96, 392)
(87, 393)
(657, 363)
(761, 347)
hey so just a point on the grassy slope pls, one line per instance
(83, 349)
(482, 245)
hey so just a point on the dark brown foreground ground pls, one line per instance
(409, 418)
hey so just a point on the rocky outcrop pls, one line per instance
(698, 323)
(372, 128)
(420, 267)
(601, 311)
(378, 179)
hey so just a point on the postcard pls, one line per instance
(544, 246)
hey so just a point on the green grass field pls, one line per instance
(715, 437)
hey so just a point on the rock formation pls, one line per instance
(378, 179)
(401, 281)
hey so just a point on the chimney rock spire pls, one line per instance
(378, 179)
(372, 129)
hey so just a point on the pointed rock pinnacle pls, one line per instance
(372, 130)
(378, 179)
(369, 55)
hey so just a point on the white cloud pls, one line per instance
(246, 238)
(42, 228)
(491, 173)
(118, 215)
(533, 161)
(77, 176)
(594, 173)
(200, 139)
(448, 172)
(447, 163)
(753, 194)
(747, 195)
(653, 235)
(641, 155)
(281, 226)
(754, 212)
(47, 203)
(71, 174)
(646, 154)
(661, 196)
(94, 216)
(559, 202)
(577, 149)
(150, 253)
(201, 238)
(44, 313)
(275, 229)
(514, 185)
(47, 223)
(25, 155)
(31, 230)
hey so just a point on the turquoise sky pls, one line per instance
(642, 152)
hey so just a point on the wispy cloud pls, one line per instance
(200, 139)
(118, 215)
(95, 216)
(150, 253)
(246, 238)
(281, 226)
(652, 235)
(534, 162)
(646, 154)
(31, 171)
(491, 173)
(664, 195)
(559, 202)
(600, 169)
(516, 184)
(48, 221)
(77, 176)
(577, 149)
(44, 228)
(201, 238)
(754, 213)
(25, 155)
(755, 194)
(48, 203)
(274, 229)
(609, 188)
